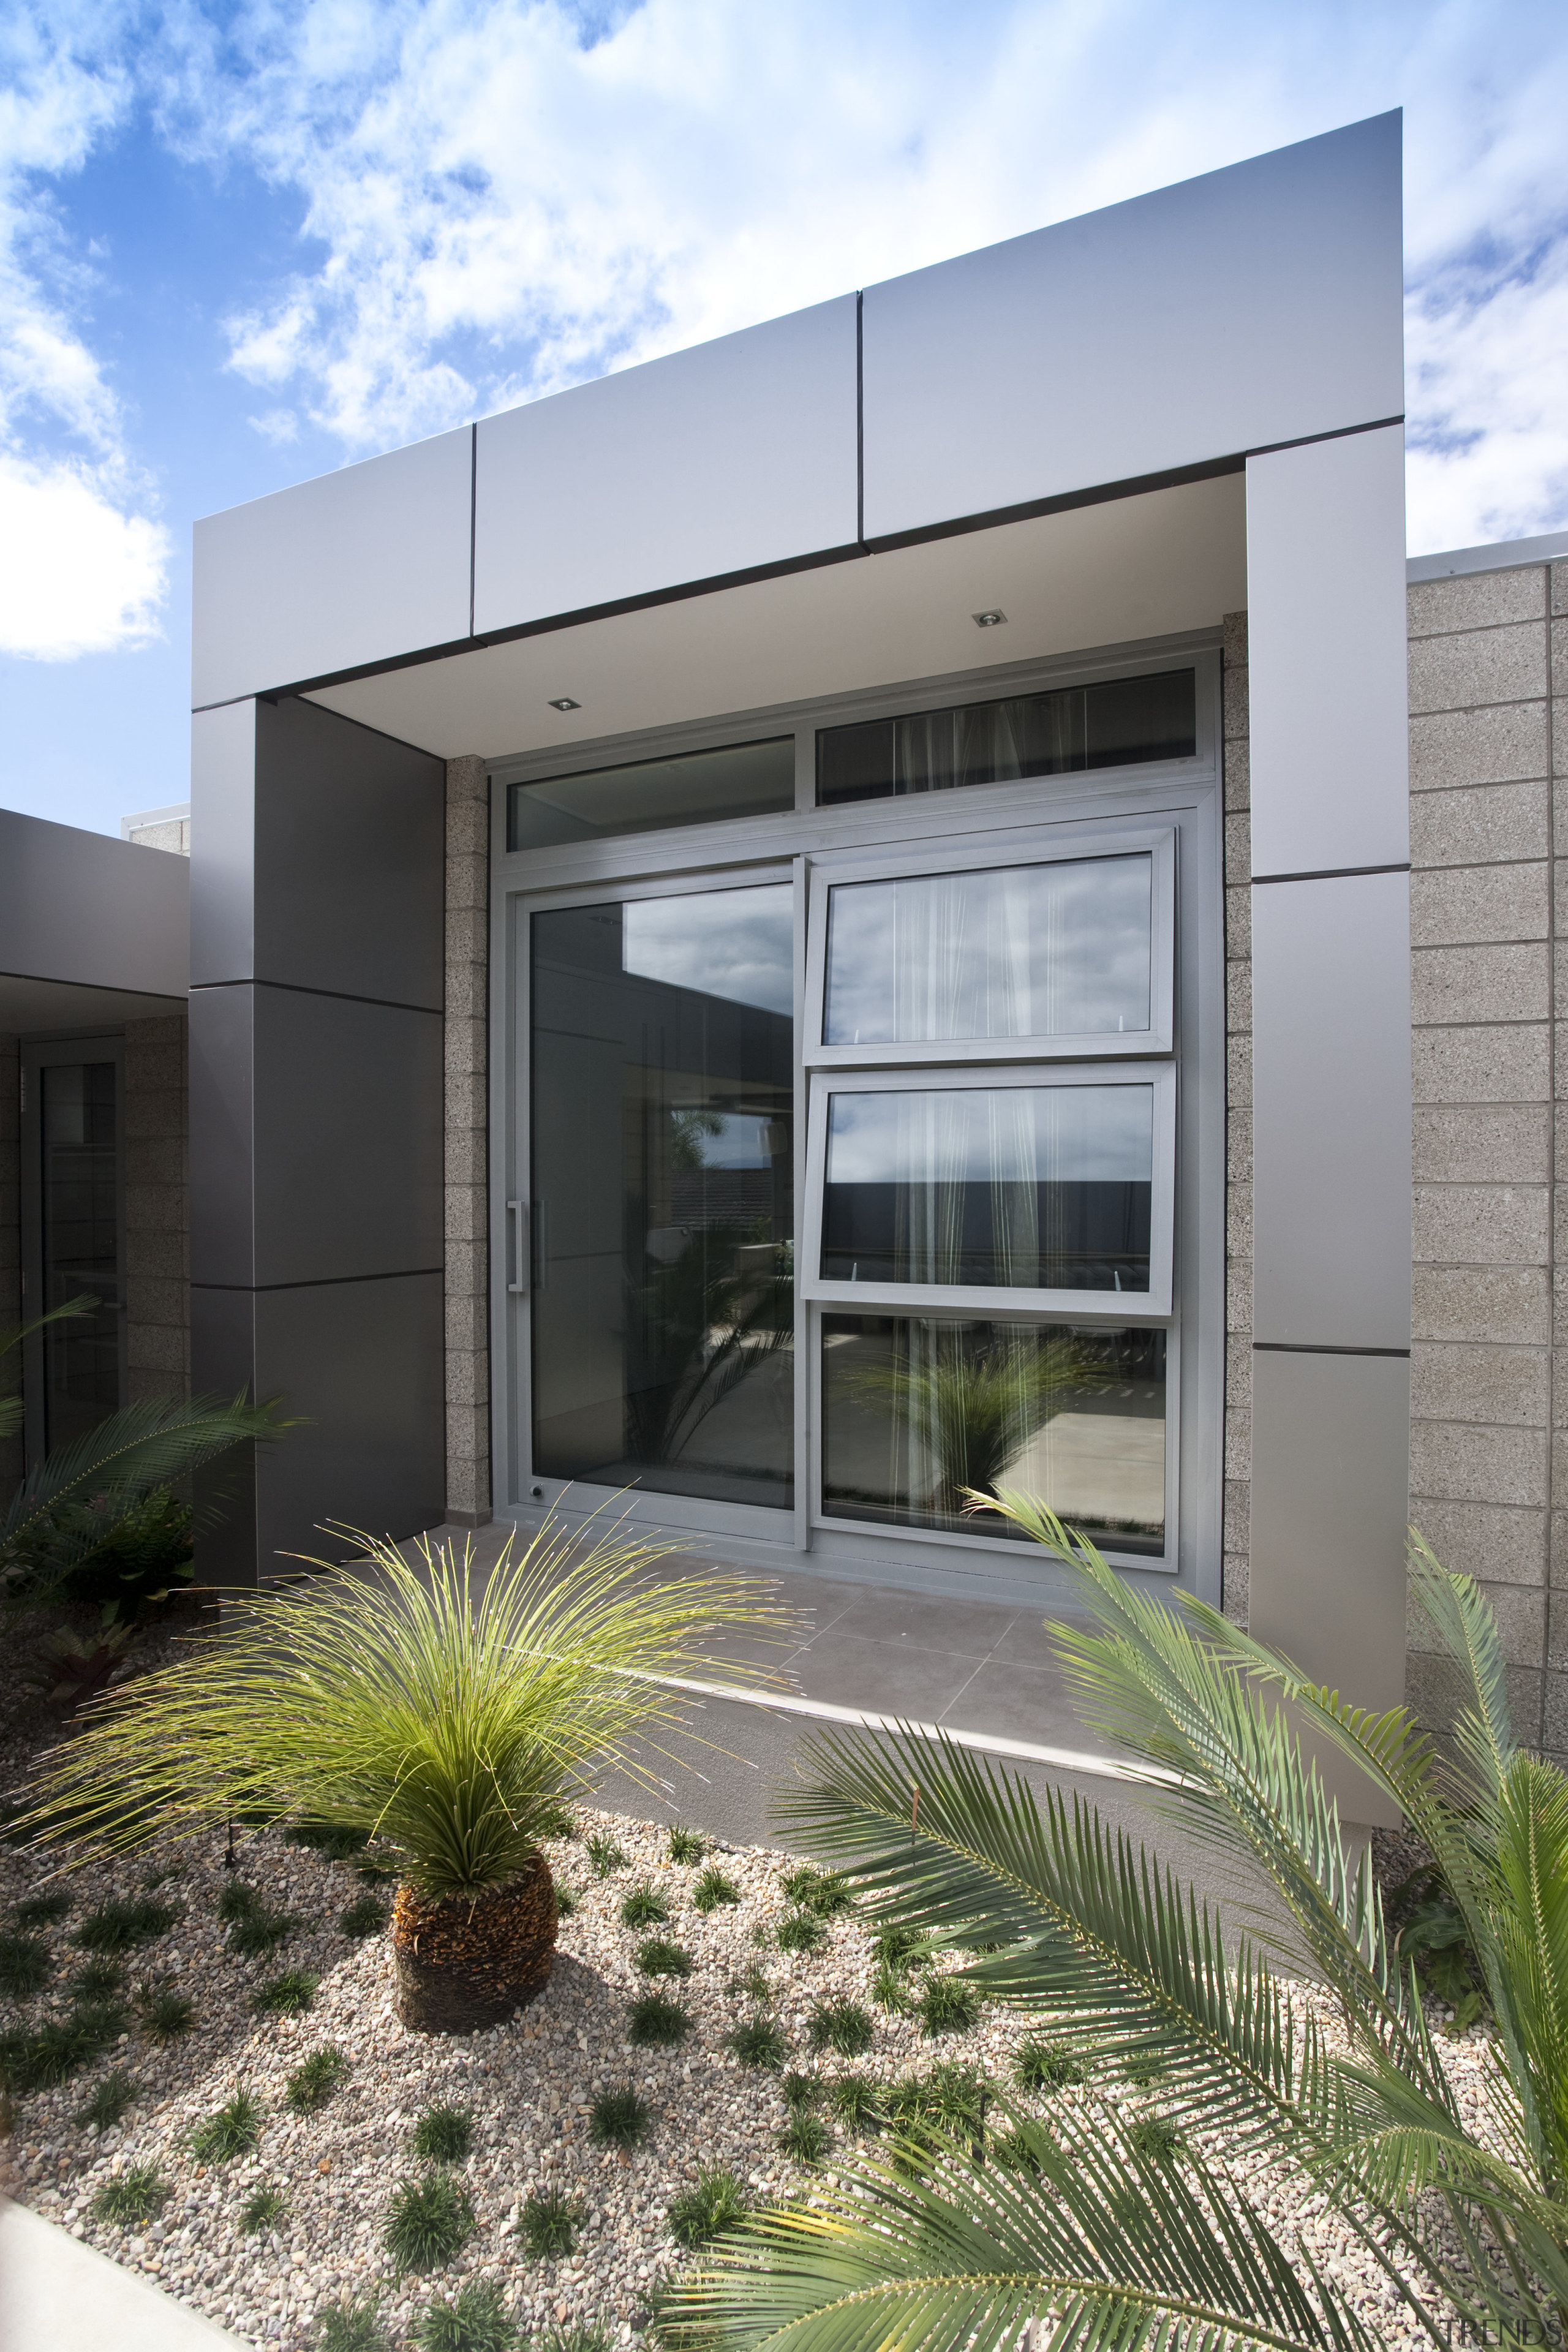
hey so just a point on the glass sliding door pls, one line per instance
(660, 1211)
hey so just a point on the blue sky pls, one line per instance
(245, 241)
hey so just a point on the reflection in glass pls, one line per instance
(663, 1051)
(648, 795)
(1118, 724)
(80, 1236)
(1033, 1188)
(1053, 950)
(918, 1412)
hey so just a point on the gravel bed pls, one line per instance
(529, 2085)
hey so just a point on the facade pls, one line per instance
(827, 921)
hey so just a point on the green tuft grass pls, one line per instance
(697, 2216)
(378, 1870)
(657, 1957)
(604, 1854)
(842, 2025)
(549, 2222)
(237, 1900)
(24, 1966)
(97, 1980)
(41, 1910)
(315, 2078)
(41, 2061)
(823, 1892)
(108, 2102)
(619, 2118)
(686, 1845)
(476, 2320)
(565, 1901)
(121, 1926)
(753, 1981)
(351, 2324)
(579, 2336)
(1046, 2066)
(713, 1889)
(556, 1819)
(365, 1918)
(759, 2042)
(656, 2022)
(324, 1838)
(234, 2130)
(164, 2013)
(800, 1931)
(428, 2222)
(132, 2197)
(261, 1932)
(261, 2209)
(645, 1906)
(857, 2102)
(1156, 2137)
(903, 1947)
(801, 2090)
(288, 1995)
(444, 2135)
(804, 2137)
(949, 2005)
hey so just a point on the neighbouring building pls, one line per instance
(913, 898)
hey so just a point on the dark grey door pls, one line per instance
(73, 1235)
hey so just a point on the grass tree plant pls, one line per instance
(1095, 2211)
(412, 1699)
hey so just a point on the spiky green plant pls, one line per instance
(41, 1910)
(619, 2118)
(759, 2042)
(645, 1906)
(443, 1712)
(657, 1957)
(164, 2013)
(973, 1408)
(261, 2209)
(136, 2195)
(699, 2215)
(549, 2223)
(857, 2101)
(234, 2130)
(605, 1853)
(823, 1892)
(476, 2320)
(1114, 2224)
(352, 2323)
(108, 2102)
(804, 2137)
(686, 1845)
(288, 1995)
(97, 1980)
(24, 1966)
(428, 2222)
(121, 1926)
(315, 2079)
(365, 1917)
(800, 1931)
(948, 2004)
(657, 2023)
(713, 1889)
(843, 2025)
(444, 2134)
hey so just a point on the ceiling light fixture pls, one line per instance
(991, 620)
(563, 702)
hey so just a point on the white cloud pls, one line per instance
(86, 562)
(79, 576)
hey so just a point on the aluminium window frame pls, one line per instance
(983, 1301)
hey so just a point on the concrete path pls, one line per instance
(58, 2295)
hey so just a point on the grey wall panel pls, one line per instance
(223, 845)
(1255, 305)
(354, 567)
(348, 1153)
(1330, 1078)
(359, 1367)
(1330, 1504)
(363, 1363)
(1326, 632)
(738, 452)
(78, 907)
(223, 1136)
(349, 872)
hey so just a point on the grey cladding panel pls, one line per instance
(356, 566)
(222, 1136)
(350, 857)
(79, 908)
(1331, 1078)
(1253, 306)
(738, 452)
(223, 845)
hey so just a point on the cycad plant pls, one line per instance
(973, 1410)
(407, 1699)
(1102, 2218)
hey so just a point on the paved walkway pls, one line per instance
(57, 2295)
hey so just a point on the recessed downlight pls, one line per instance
(991, 619)
(563, 702)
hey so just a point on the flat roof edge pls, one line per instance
(1502, 555)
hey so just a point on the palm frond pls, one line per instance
(399, 1698)
(1531, 1855)
(1457, 1610)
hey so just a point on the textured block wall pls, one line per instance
(157, 1211)
(10, 1241)
(468, 1130)
(1238, 1123)
(1488, 1448)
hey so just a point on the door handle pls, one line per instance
(518, 1211)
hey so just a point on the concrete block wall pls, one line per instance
(157, 1209)
(467, 1085)
(1489, 1447)
(10, 1240)
(1239, 1122)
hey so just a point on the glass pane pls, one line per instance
(1060, 950)
(1029, 1187)
(1115, 725)
(81, 1239)
(917, 1413)
(696, 788)
(663, 1074)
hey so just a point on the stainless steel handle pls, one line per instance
(518, 1210)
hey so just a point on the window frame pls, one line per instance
(829, 873)
(983, 1302)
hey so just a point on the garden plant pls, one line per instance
(1092, 2219)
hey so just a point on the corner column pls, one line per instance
(468, 1144)
(1331, 1064)
(316, 1104)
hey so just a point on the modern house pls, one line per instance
(831, 921)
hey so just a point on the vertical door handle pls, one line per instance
(518, 1211)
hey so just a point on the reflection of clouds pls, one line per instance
(1017, 1134)
(737, 944)
(1025, 951)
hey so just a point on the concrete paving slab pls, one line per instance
(58, 2295)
